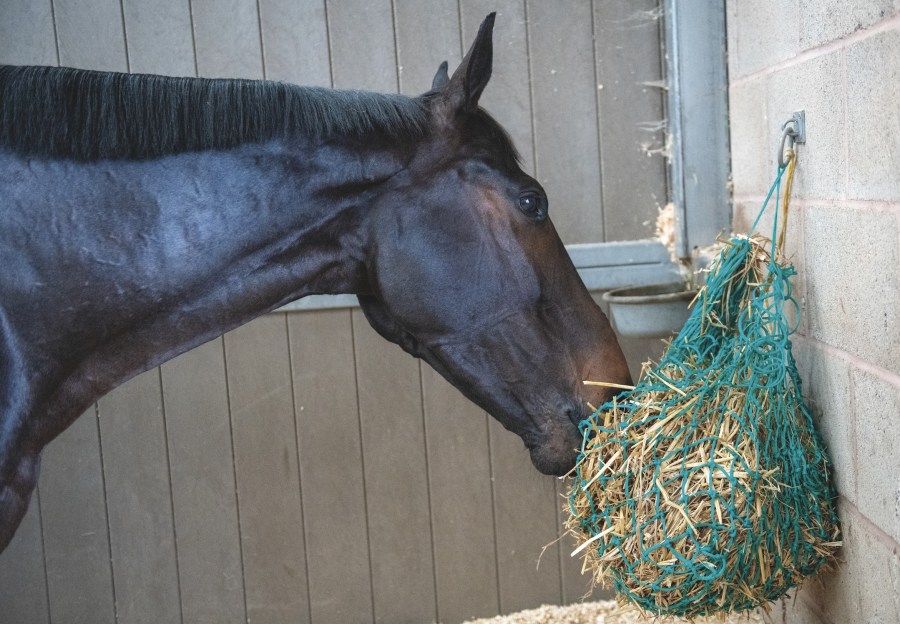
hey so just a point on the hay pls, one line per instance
(705, 489)
(665, 229)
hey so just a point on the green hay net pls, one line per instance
(706, 488)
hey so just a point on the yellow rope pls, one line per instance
(792, 162)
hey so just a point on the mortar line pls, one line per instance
(886, 25)
(815, 608)
(869, 205)
(883, 374)
(870, 527)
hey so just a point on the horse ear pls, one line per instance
(471, 77)
(441, 78)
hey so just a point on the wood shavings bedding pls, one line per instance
(604, 612)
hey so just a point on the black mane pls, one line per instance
(88, 115)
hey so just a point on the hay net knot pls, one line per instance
(706, 488)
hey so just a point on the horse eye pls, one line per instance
(532, 205)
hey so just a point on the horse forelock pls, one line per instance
(89, 115)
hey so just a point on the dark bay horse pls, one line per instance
(141, 216)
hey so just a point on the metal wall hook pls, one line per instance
(793, 130)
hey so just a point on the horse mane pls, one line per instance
(90, 115)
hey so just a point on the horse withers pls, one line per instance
(141, 216)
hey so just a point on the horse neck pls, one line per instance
(295, 217)
(305, 228)
(185, 247)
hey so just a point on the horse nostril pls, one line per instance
(575, 414)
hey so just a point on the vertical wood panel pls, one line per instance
(159, 37)
(203, 489)
(295, 41)
(334, 508)
(23, 585)
(508, 94)
(76, 537)
(565, 113)
(26, 33)
(427, 34)
(463, 519)
(627, 45)
(142, 535)
(362, 45)
(266, 465)
(525, 511)
(390, 405)
(226, 35)
(90, 34)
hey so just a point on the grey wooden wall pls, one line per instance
(301, 469)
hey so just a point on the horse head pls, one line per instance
(470, 275)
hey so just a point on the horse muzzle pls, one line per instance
(555, 449)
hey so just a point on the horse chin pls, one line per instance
(553, 463)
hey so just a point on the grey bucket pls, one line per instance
(654, 311)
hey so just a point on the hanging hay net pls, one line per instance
(706, 488)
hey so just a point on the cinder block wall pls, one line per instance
(840, 61)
